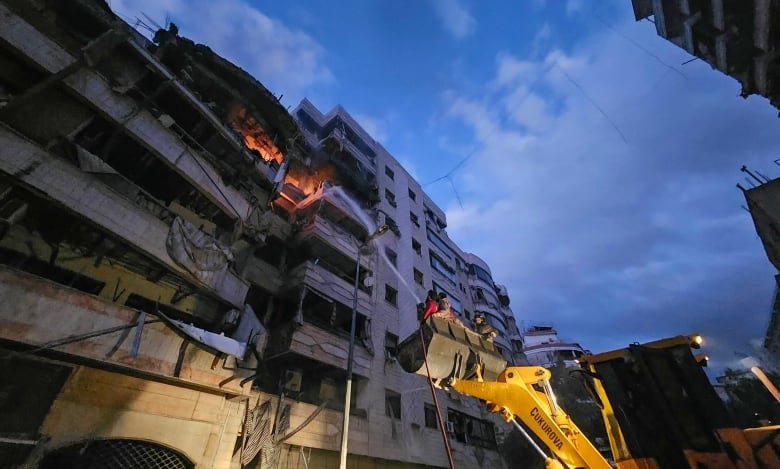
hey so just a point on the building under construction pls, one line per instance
(738, 38)
(179, 257)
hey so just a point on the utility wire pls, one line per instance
(639, 46)
(593, 102)
(487, 137)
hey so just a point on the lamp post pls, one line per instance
(348, 394)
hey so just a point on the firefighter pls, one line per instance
(484, 329)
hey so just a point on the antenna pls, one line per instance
(148, 18)
(766, 179)
(750, 182)
(744, 169)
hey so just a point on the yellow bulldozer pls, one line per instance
(658, 406)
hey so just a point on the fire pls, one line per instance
(307, 180)
(255, 138)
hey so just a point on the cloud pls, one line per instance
(617, 241)
(285, 60)
(455, 18)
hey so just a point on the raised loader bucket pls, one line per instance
(453, 352)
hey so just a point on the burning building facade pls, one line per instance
(178, 253)
(737, 38)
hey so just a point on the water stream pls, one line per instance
(369, 224)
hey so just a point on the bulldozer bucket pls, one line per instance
(452, 352)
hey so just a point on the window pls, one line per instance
(439, 243)
(454, 301)
(481, 273)
(414, 219)
(392, 256)
(392, 404)
(430, 416)
(467, 313)
(441, 267)
(418, 277)
(389, 172)
(471, 430)
(393, 226)
(417, 247)
(412, 195)
(391, 295)
(391, 345)
(390, 198)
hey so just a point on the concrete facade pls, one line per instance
(148, 189)
(737, 38)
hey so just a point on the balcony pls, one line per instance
(339, 287)
(326, 238)
(319, 343)
(96, 202)
(355, 170)
(334, 209)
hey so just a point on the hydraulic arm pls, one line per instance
(514, 395)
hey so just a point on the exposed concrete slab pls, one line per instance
(98, 203)
(143, 126)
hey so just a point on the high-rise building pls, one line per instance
(178, 262)
(543, 347)
(738, 38)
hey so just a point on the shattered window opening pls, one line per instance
(418, 276)
(391, 295)
(390, 198)
(431, 421)
(392, 404)
(391, 344)
(416, 247)
(392, 256)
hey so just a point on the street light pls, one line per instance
(348, 395)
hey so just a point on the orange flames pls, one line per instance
(308, 180)
(255, 138)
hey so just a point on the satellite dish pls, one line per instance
(368, 281)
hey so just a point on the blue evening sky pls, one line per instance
(599, 180)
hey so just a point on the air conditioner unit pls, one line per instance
(292, 380)
(450, 426)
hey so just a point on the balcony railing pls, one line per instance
(335, 286)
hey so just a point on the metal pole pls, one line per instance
(348, 393)
(530, 440)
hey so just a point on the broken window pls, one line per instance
(390, 198)
(392, 256)
(417, 247)
(389, 172)
(471, 430)
(392, 404)
(418, 277)
(431, 421)
(391, 295)
(391, 345)
(414, 219)
(412, 195)
(393, 226)
(333, 316)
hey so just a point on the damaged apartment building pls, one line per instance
(178, 256)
